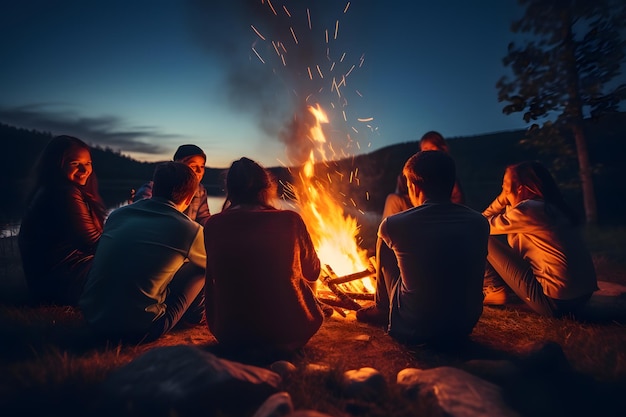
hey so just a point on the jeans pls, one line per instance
(518, 274)
(184, 301)
(388, 275)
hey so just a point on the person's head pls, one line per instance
(193, 157)
(433, 141)
(247, 182)
(531, 180)
(174, 181)
(65, 158)
(430, 176)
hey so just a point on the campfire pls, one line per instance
(302, 43)
(346, 269)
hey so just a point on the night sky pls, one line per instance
(143, 77)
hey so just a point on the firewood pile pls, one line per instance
(344, 292)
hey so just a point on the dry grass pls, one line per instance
(51, 365)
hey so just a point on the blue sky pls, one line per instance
(143, 77)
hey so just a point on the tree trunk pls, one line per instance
(574, 116)
(586, 177)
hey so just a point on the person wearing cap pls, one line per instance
(194, 158)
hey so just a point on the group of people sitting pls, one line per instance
(250, 270)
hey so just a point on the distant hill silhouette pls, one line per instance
(361, 181)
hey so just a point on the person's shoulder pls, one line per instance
(530, 206)
(287, 215)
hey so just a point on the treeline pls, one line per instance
(361, 182)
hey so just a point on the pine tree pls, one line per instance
(565, 71)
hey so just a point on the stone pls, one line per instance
(184, 381)
(283, 368)
(364, 383)
(606, 305)
(317, 368)
(457, 393)
(278, 405)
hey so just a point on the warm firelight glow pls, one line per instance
(334, 233)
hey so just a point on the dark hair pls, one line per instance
(185, 151)
(537, 179)
(433, 172)
(436, 139)
(174, 181)
(401, 187)
(247, 182)
(49, 171)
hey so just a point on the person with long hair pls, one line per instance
(261, 268)
(546, 262)
(62, 224)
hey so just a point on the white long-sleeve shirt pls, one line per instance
(555, 249)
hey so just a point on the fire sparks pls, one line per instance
(305, 45)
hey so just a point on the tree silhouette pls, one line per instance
(565, 71)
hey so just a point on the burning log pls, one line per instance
(337, 305)
(359, 296)
(343, 300)
(351, 277)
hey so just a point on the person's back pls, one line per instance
(441, 250)
(151, 240)
(263, 299)
(261, 266)
(431, 259)
(147, 249)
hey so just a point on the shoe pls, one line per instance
(373, 315)
(494, 296)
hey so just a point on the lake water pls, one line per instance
(215, 206)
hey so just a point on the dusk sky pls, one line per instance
(143, 77)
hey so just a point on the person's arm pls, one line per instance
(145, 191)
(197, 251)
(311, 265)
(203, 213)
(525, 217)
(85, 229)
(497, 206)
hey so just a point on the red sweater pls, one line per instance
(260, 266)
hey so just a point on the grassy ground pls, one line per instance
(51, 365)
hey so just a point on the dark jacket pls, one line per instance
(57, 240)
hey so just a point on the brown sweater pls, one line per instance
(260, 266)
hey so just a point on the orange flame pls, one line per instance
(334, 233)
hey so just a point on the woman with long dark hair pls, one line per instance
(261, 267)
(546, 262)
(62, 224)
